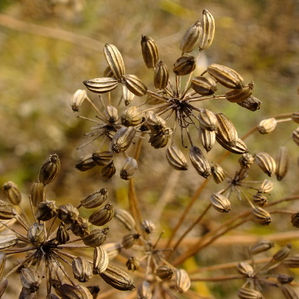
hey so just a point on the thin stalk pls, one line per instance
(217, 278)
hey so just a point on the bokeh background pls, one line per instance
(48, 47)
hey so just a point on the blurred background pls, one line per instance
(48, 47)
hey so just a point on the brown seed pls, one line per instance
(148, 226)
(282, 163)
(154, 122)
(207, 138)
(261, 216)
(161, 138)
(176, 158)
(199, 162)
(125, 218)
(284, 278)
(131, 117)
(86, 163)
(129, 168)
(260, 199)
(78, 98)
(135, 85)
(114, 60)
(67, 291)
(118, 278)
(239, 95)
(67, 213)
(289, 292)
(182, 280)
(132, 264)
(245, 269)
(204, 85)
(108, 171)
(46, 210)
(161, 76)
(62, 235)
(79, 227)
(261, 246)
(246, 160)
(190, 37)
(295, 219)
(102, 216)
(266, 186)
(184, 65)
(225, 76)
(207, 119)
(122, 139)
(164, 272)
(292, 261)
(208, 30)
(102, 158)
(217, 173)
(251, 103)
(49, 169)
(129, 240)
(127, 95)
(100, 260)
(267, 126)
(295, 117)
(226, 131)
(149, 51)
(295, 136)
(111, 114)
(113, 249)
(266, 163)
(6, 210)
(246, 293)
(220, 202)
(95, 199)
(82, 269)
(282, 254)
(30, 279)
(96, 237)
(36, 234)
(37, 193)
(12, 192)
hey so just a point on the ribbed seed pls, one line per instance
(295, 136)
(95, 199)
(164, 272)
(207, 138)
(113, 249)
(12, 192)
(176, 158)
(122, 139)
(101, 85)
(127, 95)
(46, 210)
(246, 293)
(207, 119)
(7, 241)
(204, 85)
(267, 126)
(30, 279)
(282, 254)
(108, 171)
(245, 269)
(102, 158)
(96, 237)
(161, 75)
(182, 280)
(68, 291)
(239, 148)
(49, 169)
(260, 199)
(132, 116)
(184, 65)
(284, 278)
(282, 163)
(266, 163)
(118, 278)
(102, 216)
(148, 226)
(82, 269)
(199, 162)
(125, 218)
(114, 60)
(62, 235)
(37, 193)
(266, 186)
(129, 168)
(208, 30)
(289, 292)
(144, 290)
(67, 213)
(135, 85)
(220, 202)
(217, 173)
(78, 98)
(111, 114)
(252, 103)
(226, 131)
(225, 76)
(261, 215)
(154, 122)
(6, 210)
(79, 226)
(292, 261)
(161, 138)
(100, 260)
(239, 95)
(2, 264)
(36, 234)
(261, 246)
(149, 51)
(190, 37)
(86, 163)
(129, 240)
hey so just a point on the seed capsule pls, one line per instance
(102, 158)
(207, 119)
(246, 293)
(62, 235)
(220, 202)
(182, 280)
(96, 237)
(252, 103)
(100, 260)
(282, 254)
(289, 292)
(79, 227)
(68, 291)
(295, 117)
(127, 95)
(135, 85)
(226, 131)
(30, 279)
(49, 169)
(204, 85)
(144, 290)
(118, 278)
(190, 37)
(225, 76)
(131, 117)
(217, 173)
(199, 162)
(239, 95)
(102, 216)
(246, 160)
(260, 199)
(267, 126)
(184, 65)
(86, 163)
(108, 171)
(245, 269)
(261, 215)
(284, 278)
(111, 114)
(129, 240)
(295, 219)
(208, 30)
(266, 163)
(164, 272)
(160, 139)
(67, 213)
(266, 186)
(292, 261)
(6, 210)
(95, 199)
(282, 163)
(12, 192)
(207, 138)
(122, 139)
(129, 168)
(101, 85)
(125, 218)
(36, 234)
(148, 226)
(37, 193)
(161, 76)
(82, 269)
(114, 60)
(113, 249)
(78, 98)
(176, 158)
(132, 264)
(149, 51)
(46, 210)
(261, 246)
(154, 122)
(295, 136)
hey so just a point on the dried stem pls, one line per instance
(217, 278)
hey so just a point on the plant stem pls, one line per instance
(217, 278)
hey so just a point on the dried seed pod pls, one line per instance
(118, 278)
(252, 103)
(207, 119)
(261, 216)
(176, 158)
(149, 51)
(67, 213)
(239, 148)
(125, 218)
(49, 169)
(101, 85)
(190, 37)
(78, 98)
(295, 136)
(96, 237)
(154, 122)
(132, 264)
(148, 226)
(102, 216)
(37, 194)
(30, 279)
(208, 30)
(207, 138)
(102, 158)
(111, 114)
(217, 173)
(129, 240)
(161, 75)
(144, 290)
(295, 117)
(12, 192)
(182, 280)
(86, 163)
(135, 85)
(82, 269)
(199, 162)
(108, 171)
(2, 265)
(246, 160)
(295, 219)
(160, 139)
(261, 246)
(225, 76)
(46, 210)
(79, 227)
(220, 202)
(131, 117)
(204, 85)
(184, 65)
(266, 163)
(239, 95)
(122, 139)
(226, 131)
(129, 168)
(100, 260)
(289, 292)
(6, 210)
(62, 235)
(246, 293)
(292, 261)
(164, 272)
(282, 163)
(284, 278)
(245, 269)
(260, 199)
(3, 286)
(266, 186)
(7, 241)
(113, 249)
(114, 60)
(267, 126)
(282, 253)
(67, 291)
(127, 95)
(36, 234)
(95, 199)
